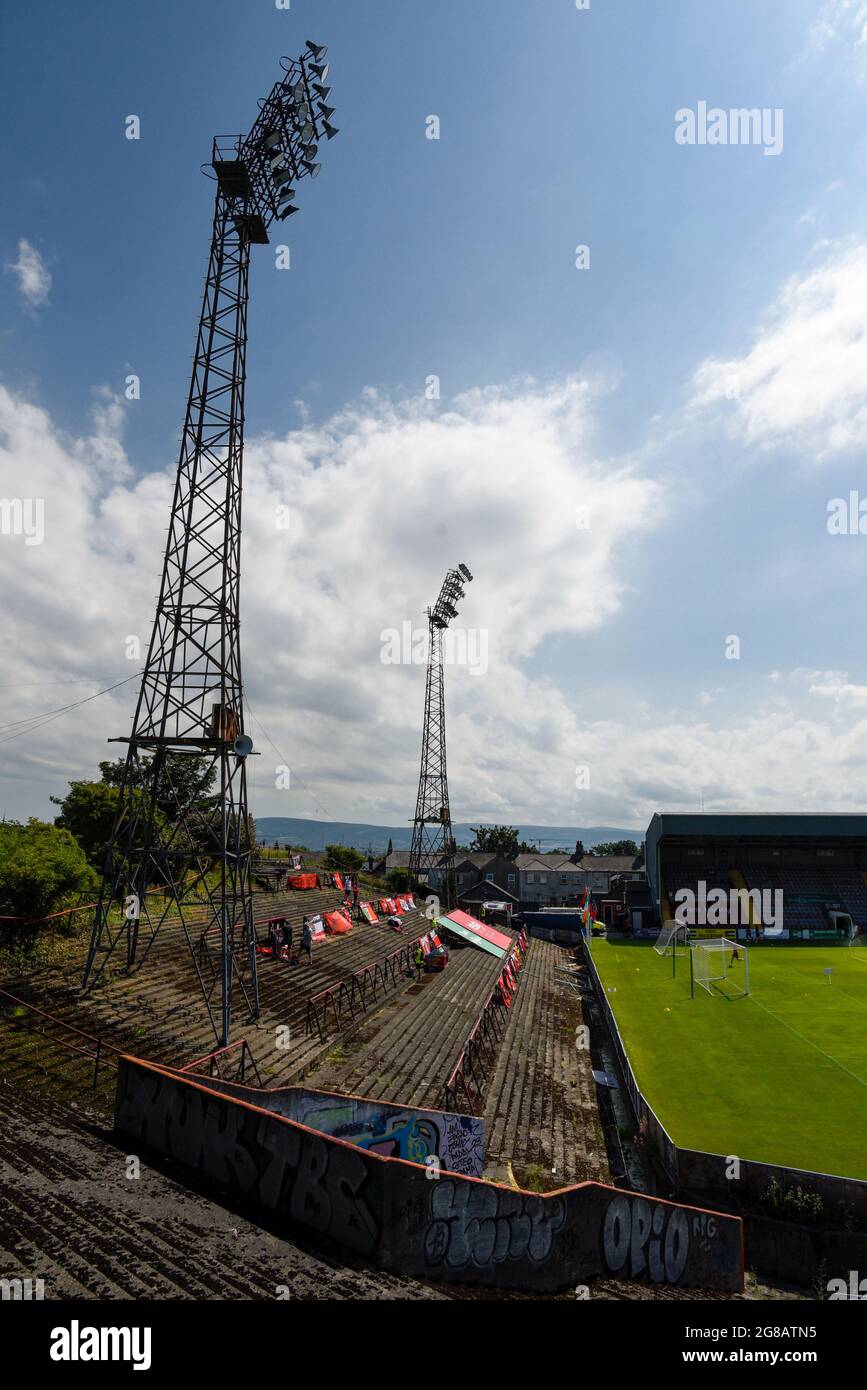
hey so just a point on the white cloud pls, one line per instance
(34, 277)
(383, 499)
(843, 23)
(803, 384)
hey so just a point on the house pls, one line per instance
(478, 877)
(601, 869)
(549, 880)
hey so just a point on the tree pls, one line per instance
(89, 808)
(88, 812)
(42, 869)
(184, 781)
(615, 849)
(398, 880)
(343, 857)
(499, 839)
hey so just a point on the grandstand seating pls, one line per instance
(807, 888)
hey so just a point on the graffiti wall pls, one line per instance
(411, 1218)
(455, 1142)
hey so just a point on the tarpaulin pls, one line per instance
(368, 913)
(337, 923)
(316, 925)
(304, 881)
(479, 933)
(338, 881)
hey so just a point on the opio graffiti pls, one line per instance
(640, 1239)
(387, 1209)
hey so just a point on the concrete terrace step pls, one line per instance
(157, 1011)
(540, 1108)
(406, 1049)
(69, 1214)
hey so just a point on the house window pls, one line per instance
(531, 878)
(461, 878)
(489, 878)
(510, 878)
(543, 878)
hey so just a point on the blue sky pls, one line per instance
(457, 257)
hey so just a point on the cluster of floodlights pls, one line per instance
(451, 593)
(293, 120)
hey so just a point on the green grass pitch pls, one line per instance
(779, 1076)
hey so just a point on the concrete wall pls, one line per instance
(400, 1216)
(703, 1175)
(395, 1131)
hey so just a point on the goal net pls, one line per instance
(671, 933)
(721, 965)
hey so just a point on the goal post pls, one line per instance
(666, 943)
(720, 965)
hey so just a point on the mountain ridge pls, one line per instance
(359, 834)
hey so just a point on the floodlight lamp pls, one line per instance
(284, 177)
(318, 50)
(277, 162)
(465, 572)
(287, 212)
(310, 151)
(272, 139)
(286, 196)
(307, 131)
(322, 92)
(330, 130)
(326, 111)
(312, 169)
(320, 71)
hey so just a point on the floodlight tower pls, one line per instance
(433, 846)
(190, 705)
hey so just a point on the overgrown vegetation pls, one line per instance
(42, 869)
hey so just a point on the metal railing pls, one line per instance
(215, 1061)
(348, 999)
(97, 1053)
(479, 1053)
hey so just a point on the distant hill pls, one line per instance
(316, 834)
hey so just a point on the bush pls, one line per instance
(42, 869)
(343, 857)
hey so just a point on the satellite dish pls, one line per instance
(243, 746)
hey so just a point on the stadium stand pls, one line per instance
(817, 861)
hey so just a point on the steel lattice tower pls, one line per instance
(190, 705)
(433, 845)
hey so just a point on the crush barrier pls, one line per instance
(341, 1003)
